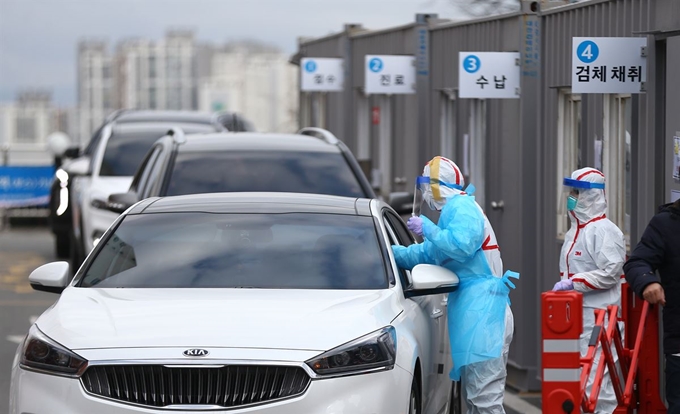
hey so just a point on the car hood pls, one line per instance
(92, 318)
(103, 187)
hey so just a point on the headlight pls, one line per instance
(377, 350)
(41, 352)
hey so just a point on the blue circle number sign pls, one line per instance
(375, 65)
(310, 66)
(471, 63)
(587, 51)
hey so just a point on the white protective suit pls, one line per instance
(483, 382)
(592, 256)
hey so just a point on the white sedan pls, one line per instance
(241, 303)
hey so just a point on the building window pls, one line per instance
(152, 66)
(152, 98)
(568, 150)
(615, 159)
(26, 130)
(174, 98)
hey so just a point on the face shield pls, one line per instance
(573, 188)
(433, 192)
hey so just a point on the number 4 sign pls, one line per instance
(608, 64)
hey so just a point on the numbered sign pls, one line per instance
(321, 74)
(608, 64)
(387, 74)
(488, 75)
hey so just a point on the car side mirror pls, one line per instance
(72, 152)
(52, 277)
(431, 280)
(78, 167)
(120, 202)
(401, 202)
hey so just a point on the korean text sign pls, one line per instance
(322, 74)
(390, 74)
(488, 75)
(25, 186)
(608, 64)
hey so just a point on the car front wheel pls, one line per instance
(414, 400)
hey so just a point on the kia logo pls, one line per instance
(196, 352)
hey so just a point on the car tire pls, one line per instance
(62, 245)
(414, 400)
(456, 400)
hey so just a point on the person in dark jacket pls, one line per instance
(659, 250)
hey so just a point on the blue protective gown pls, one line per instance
(476, 311)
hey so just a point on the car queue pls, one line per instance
(285, 227)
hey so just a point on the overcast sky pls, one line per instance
(38, 38)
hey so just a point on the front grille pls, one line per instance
(228, 386)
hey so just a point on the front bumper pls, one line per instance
(385, 392)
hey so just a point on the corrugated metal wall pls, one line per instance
(405, 139)
(333, 104)
(598, 18)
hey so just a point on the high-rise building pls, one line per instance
(157, 75)
(253, 80)
(178, 73)
(96, 91)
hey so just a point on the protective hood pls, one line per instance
(592, 202)
(441, 180)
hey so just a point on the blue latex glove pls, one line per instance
(415, 224)
(564, 285)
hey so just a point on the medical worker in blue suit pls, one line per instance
(480, 320)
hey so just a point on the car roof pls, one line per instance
(257, 203)
(162, 127)
(165, 116)
(256, 141)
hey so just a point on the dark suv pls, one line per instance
(80, 163)
(311, 161)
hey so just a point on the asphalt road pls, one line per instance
(21, 251)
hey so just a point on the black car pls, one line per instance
(312, 161)
(61, 201)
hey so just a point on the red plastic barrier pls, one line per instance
(562, 323)
(565, 373)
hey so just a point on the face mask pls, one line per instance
(571, 203)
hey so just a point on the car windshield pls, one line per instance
(254, 171)
(129, 143)
(268, 251)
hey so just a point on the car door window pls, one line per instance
(152, 181)
(145, 171)
(404, 236)
(398, 235)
